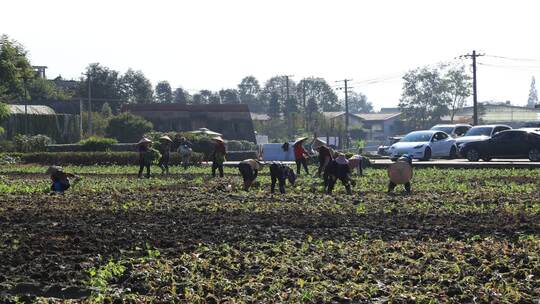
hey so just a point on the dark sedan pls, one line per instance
(505, 144)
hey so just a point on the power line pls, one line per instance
(511, 67)
(514, 58)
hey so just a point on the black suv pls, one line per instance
(505, 144)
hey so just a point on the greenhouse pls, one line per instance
(36, 119)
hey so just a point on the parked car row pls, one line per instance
(474, 143)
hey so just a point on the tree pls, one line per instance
(424, 98)
(181, 96)
(136, 88)
(104, 82)
(4, 114)
(15, 69)
(273, 105)
(44, 89)
(248, 93)
(127, 127)
(277, 86)
(203, 97)
(106, 110)
(358, 103)
(318, 89)
(229, 96)
(458, 87)
(533, 94)
(164, 92)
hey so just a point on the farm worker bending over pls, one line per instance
(60, 179)
(249, 168)
(337, 169)
(218, 156)
(400, 172)
(143, 147)
(355, 162)
(300, 155)
(164, 148)
(325, 156)
(185, 151)
(280, 172)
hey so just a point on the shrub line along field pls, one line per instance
(462, 236)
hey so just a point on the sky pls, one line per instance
(213, 44)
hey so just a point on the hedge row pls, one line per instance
(95, 158)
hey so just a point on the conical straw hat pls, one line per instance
(144, 140)
(341, 159)
(400, 172)
(53, 169)
(165, 137)
(299, 140)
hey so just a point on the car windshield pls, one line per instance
(447, 130)
(390, 141)
(477, 131)
(421, 136)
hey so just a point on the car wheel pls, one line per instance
(534, 155)
(427, 154)
(473, 155)
(486, 158)
(453, 153)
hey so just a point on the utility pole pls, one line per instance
(304, 95)
(475, 92)
(25, 107)
(346, 88)
(89, 106)
(287, 84)
(287, 103)
(80, 119)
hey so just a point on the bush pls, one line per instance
(200, 143)
(7, 146)
(241, 145)
(95, 158)
(95, 143)
(127, 127)
(35, 143)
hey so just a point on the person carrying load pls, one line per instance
(356, 162)
(249, 168)
(218, 156)
(60, 179)
(337, 169)
(280, 172)
(164, 148)
(325, 157)
(145, 157)
(184, 149)
(401, 172)
(300, 155)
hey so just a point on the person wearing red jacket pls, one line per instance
(300, 157)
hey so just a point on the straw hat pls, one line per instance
(218, 138)
(400, 172)
(299, 140)
(165, 137)
(143, 141)
(341, 159)
(53, 169)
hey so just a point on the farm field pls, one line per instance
(462, 236)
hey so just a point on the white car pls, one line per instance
(479, 133)
(424, 145)
(455, 131)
